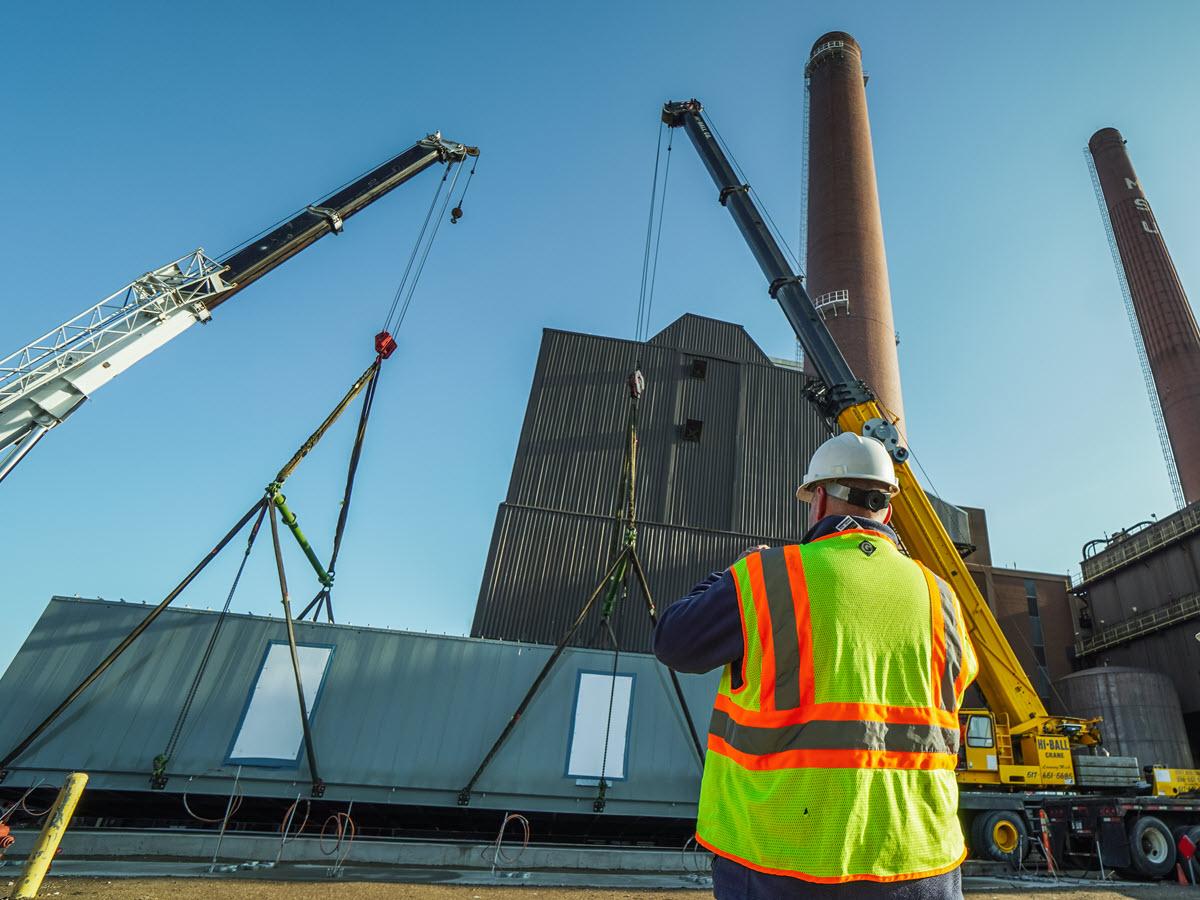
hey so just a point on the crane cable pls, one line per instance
(403, 296)
(653, 238)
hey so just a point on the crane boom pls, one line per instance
(844, 399)
(45, 381)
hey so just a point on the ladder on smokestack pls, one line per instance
(802, 247)
(1155, 406)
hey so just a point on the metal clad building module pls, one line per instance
(397, 718)
(724, 435)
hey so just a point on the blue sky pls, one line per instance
(138, 132)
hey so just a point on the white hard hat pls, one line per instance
(849, 456)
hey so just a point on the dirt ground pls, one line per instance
(206, 889)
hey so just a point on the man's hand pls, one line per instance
(750, 550)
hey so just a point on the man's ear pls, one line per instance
(887, 516)
(819, 502)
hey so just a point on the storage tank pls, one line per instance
(1140, 709)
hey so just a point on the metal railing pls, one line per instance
(1147, 623)
(832, 302)
(1121, 553)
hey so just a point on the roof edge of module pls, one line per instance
(191, 610)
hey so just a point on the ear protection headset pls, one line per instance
(871, 499)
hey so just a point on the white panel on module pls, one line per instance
(270, 732)
(591, 722)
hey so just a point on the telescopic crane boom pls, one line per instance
(48, 379)
(1044, 740)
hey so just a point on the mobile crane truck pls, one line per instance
(1025, 773)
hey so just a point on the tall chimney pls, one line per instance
(1165, 319)
(847, 268)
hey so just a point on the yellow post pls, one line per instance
(43, 851)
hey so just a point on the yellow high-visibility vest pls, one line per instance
(834, 759)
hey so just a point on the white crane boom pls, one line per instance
(49, 378)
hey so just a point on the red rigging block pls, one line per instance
(847, 267)
(1165, 318)
(385, 344)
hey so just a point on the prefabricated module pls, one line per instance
(847, 266)
(1165, 319)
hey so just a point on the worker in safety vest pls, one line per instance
(834, 735)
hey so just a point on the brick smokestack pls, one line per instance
(1165, 318)
(847, 267)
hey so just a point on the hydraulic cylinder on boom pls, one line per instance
(48, 379)
(1028, 747)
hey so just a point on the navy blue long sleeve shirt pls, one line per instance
(702, 632)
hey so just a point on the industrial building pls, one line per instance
(1140, 596)
(724, 433)
(1034, 611)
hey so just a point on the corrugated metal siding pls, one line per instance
(1149, 583)
(544, 564)
(778, 432)
(712, 338)
(403, 718)
(757, 427)
(732, 488)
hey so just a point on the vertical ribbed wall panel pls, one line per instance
(712, 338)
(700, 503)
(543, 565)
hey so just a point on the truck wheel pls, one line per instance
(1151, 849)
(1001, 836)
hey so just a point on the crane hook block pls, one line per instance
(455, 215)
(385, 344)
(637, 384)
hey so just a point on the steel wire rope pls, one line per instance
(775, 230)
(235, 803)
(29, 812)
(498, 854)
(416, 248)
(177, 730)
(285, 824)
(649, 234)
(662, 206)
(428, 247)
(344, 831)
(698, 852)
(456, 213)
(17, 804)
